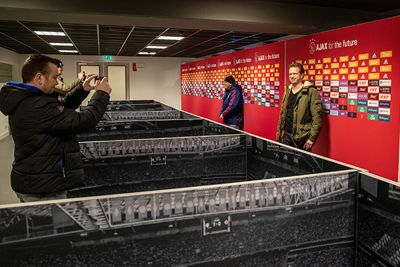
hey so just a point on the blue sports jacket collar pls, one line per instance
(24, 86)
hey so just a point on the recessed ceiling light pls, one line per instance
(156, 46)
(147, 53)
(62, 44)
(50, 33)
(68, 51)
(178, 38)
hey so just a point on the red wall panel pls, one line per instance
(356, 70)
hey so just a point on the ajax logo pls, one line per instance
(311, 46)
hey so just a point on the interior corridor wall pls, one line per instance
(355, 69)
(159, 78)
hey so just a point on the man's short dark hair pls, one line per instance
(297, 65)
(34, 64)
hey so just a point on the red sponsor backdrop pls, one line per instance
(354, 69)
(260, 73)
(361, 124)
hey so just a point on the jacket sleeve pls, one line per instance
(281, 117)
(223, 100)
(316, 114)
(233, 102)
(58, 120)
(74, 98)
(63, 88)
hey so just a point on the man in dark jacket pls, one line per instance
(300, 119)
(232, 106)
(47, 159)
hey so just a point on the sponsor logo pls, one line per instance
(334, 89)
(373, 83)
(373, 117)
(343, 89)
(352, 89)
(326, 83)
(343, 113)
(363, 83)
(384, 111)
(318, 83)
(326, 88)
(352, 95)
(325, 100)
(362, 96)
(334, 95)
(326, 106)
(342, 83)
(386, 97)
(342, 107)
(352, 102)
(352, 115)
(326, 94)
(60, 108)
(334, 83)
(361, 109)
(385, 82)
(373, 89)
(352, 83)
(385, 90)
(387, 68)
(334, 100)
(373, 96)
(372, 110)
(373, 103)
(385, 104)
(384, 118)
(363, 89)
(334, 106)
(343, 95)
(334, 112)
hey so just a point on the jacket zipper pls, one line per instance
(62, 159)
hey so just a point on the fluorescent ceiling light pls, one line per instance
(62, 44)
(68, 51)
(147, 53)
(177, 38)
(156, 46)
(50, 33)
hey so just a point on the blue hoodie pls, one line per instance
(232, 106)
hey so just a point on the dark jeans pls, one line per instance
(239, 127)
(288, 140)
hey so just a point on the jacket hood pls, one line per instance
(306, 85)
(12, 93)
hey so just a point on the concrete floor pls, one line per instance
(7, 195)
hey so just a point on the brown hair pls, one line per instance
(297, 65)
(34, 64)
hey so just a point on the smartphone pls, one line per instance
(99, 78)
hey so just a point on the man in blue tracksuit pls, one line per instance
(232, 106)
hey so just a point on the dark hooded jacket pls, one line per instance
(47, 157)
(232, 105)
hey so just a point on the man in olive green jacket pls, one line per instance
(61, 88)
(300, 119)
